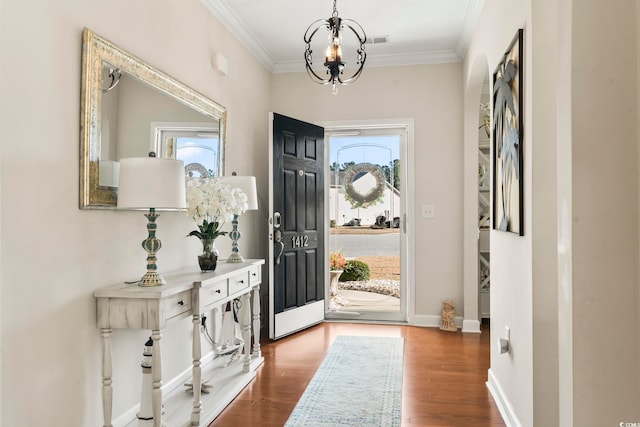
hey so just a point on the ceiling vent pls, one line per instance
(377, 40)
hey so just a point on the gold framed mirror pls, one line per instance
(128, 108)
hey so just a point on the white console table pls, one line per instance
(187, 293)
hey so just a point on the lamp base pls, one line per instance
(152, 278)
(235, 257)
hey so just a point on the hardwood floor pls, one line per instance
(443, 378)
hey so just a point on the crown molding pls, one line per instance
(231, 21)
(469, 23)
(240, 31)
(375, 61)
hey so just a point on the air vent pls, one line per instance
(377, 40)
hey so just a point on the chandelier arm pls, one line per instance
(362, 39)
(313, 33)
(315, 77)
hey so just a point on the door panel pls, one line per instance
(297, 194)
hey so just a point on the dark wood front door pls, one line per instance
(297, 226)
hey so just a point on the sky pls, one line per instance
(345, 149)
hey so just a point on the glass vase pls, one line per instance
(209, 258)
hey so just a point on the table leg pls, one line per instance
(197, 372)
(255, 298)
(156, 376)
(107, 372)
(245, 325)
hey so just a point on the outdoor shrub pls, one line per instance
(355, 270)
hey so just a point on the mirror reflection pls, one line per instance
(130, 109)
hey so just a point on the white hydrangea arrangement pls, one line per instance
(211, 203)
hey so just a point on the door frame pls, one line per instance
(408, 256)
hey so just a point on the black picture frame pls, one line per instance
(507, 139)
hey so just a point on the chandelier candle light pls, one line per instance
(151, 183)
(246, 184)
(333, 55)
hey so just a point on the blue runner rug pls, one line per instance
(359, 383)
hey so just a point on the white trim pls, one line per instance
(471, 326)
(471, 17)
(407, 308)
(230, 20)
(298, 318)
(502, 402)
(269, 263)
(432, 321)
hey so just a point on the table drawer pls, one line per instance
(213, 293)
(238, 282)
(178, 304)
(255, 275)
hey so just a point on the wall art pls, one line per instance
(508, 210)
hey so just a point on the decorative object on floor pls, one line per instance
(358, 383)
(205, 387)
(146, 407)
(447, 316)
(508, 131)
(247, 185)
(211, 203)
(151, 183)
(334, 59)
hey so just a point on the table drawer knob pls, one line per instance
(218, 291)
(180, 302)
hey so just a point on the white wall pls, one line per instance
(54, 255)
(431, 94)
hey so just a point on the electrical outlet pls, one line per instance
(428, 211)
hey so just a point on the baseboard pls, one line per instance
(471, 326)
(432, 321)
(502, 402)
(167, 388)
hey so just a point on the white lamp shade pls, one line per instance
(150, 182)
(109, 171)
(245, 183)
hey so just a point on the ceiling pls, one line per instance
(419, 31)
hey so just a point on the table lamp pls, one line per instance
(151, 183)
(248, 186)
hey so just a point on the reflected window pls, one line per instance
(197, 148)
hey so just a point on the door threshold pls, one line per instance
(344, 313)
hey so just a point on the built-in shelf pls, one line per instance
(484, 207)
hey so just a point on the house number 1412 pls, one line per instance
(300, 241)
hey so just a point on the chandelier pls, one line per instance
(333, 55)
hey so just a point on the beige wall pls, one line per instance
(511, 256)
(59, 254)
(604, 211)
(430, 94)
(574, 273)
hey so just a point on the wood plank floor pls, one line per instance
(443, 378)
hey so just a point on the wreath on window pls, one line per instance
(357, 199)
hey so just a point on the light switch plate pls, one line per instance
(428, 211)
